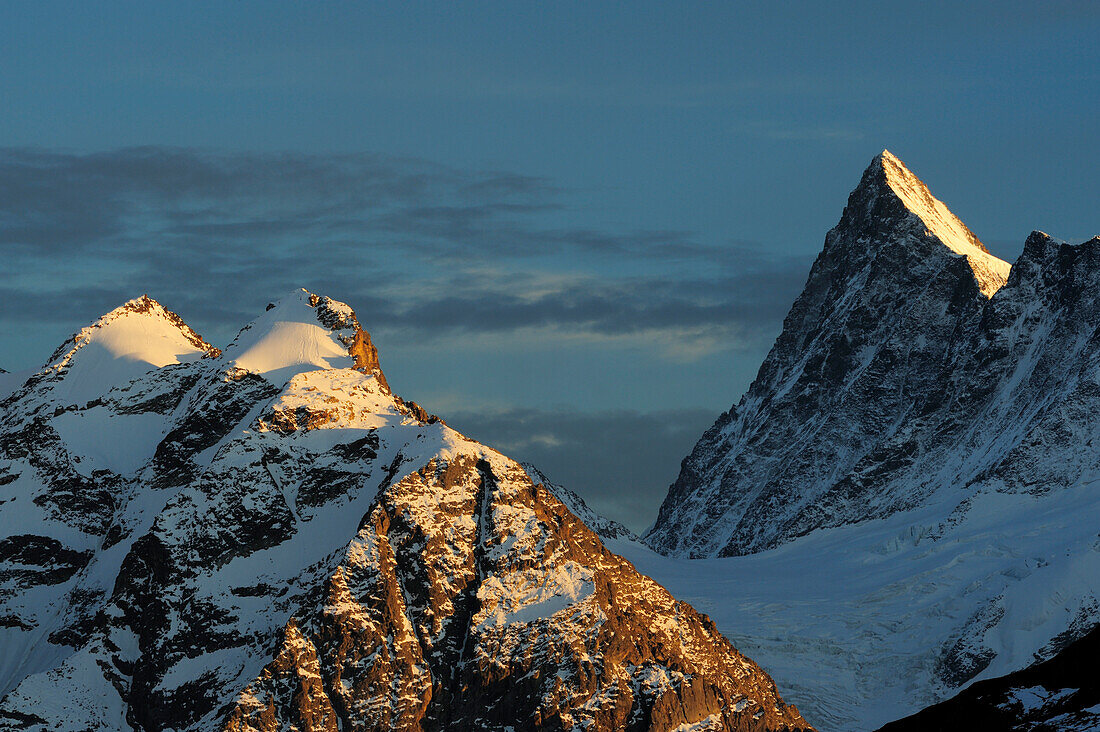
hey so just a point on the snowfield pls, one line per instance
(854, 622)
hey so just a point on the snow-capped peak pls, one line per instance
(990, 272)
(129, 341)
(303, 332)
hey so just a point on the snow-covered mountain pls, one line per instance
(916, 458)
(859, 385)
(266, 538)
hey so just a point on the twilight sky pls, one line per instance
(573, 229)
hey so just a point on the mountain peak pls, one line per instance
(136, 337)
(887, 174)
(205, 550)
(151, 309)
(897, 276)
(148, 308)
(918, 199)
(305, 332)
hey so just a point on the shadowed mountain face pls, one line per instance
(912, 362)
(266, 538)
(1058, 695)
(916, 459)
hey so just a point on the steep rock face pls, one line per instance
(267, 538)
(471, 599)
(864, 351)
(1061, 694)
(918, 452)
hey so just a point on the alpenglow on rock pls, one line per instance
(266, 538)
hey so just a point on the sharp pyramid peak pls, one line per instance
(886, 169)
(919, 200)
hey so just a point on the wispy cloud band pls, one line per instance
(416, 246)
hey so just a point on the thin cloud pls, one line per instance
(67, 201)
(422, 248)
(611, 308)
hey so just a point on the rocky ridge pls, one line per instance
(605, 527)
(266, 538)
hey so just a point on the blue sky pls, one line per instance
(573, 228)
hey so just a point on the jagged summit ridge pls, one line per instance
(299, 332)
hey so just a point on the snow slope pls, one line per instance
(11, 381)
(126, 343)
(1060, 694)
(288, 339)
(861, 624)
(100, 439)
